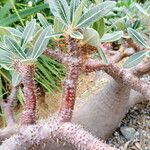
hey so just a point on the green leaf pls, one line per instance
(14, 32)
(5, 57)
(99, 26)
(60, 9)
(54, 35)
(78, 13)
(137, 37)
(4, 31)
(29, 61)
(98, 1)
(5, 9)
(91, 36)
(95, 14)
(58, 26)
(13, 47)
(102, 55)
(24, 13)
(73, 6)
(16, 78)
(76, 35)
(135, 59)
(141, 9)
(41, 43)
(148, 54)
(43, 20)
(111, 37)
(28, 32)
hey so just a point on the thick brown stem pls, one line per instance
(128, 79)
(119, 55)
(93, 65)
(27, 73)
(142, 69)
(121, 76)
(133, 45)
(7, 106)
(70, 83)
(56, 55)
(52, 130)
(28, 116)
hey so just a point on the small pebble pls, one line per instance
(128, 132)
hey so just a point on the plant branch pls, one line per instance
(7, 106)
(52, 130)
(70, 82)
(57, 54)
(27, 73)
(127, 78)
(133, 45)
(93, 65)
(120, 75)
(141, 69)
(121, 53)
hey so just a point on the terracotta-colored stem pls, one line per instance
(122, 76)
(127, 78)
(70, 82)
(57, 54)
(28, 116)
(133, 45)
(7, 106)
(141, 69)
(119, 55)
(27, 73)
(52, 130)
(93, 65)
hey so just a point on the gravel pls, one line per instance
(134, 131)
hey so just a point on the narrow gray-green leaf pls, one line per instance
(95, 14)
(54, 35)
(98, 1)
(4, 31)
(43, 20)
(58, 25)
(111, 37)
(141, 9)
(61, 10)
(73, 5)
(137, 37)
(15, 32)
(148, 54)
(41, 43)
(28, 31)
(13, 46)
(16, 78)
(135, 59)
(102, 55)
(78, 12)
(76, 35)
(5, 57)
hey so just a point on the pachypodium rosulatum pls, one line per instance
(73, 41)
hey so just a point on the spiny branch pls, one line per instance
(127, 78)
(57, 54)
(70, 82)
(54, 129)
(7, 106)
(141, 69)
(120, 75)
(27, 73)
